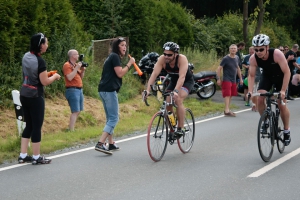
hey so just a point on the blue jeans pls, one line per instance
(111, 106)
(75, 99)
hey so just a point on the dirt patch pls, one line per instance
(57, 113)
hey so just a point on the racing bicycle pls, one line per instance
(270, 127)
(161, 130)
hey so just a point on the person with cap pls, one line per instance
(291, 58)
(181, 83)
(275, 72)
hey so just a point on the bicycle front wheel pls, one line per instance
(157, 137)
(280, 136)
(265, 137)
(186, 142)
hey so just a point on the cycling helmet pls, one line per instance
(260, 40)
(171, 46)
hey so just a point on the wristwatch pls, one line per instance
(175, 90)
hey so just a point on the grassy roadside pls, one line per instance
(134, 115)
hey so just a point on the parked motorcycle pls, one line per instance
(204, 85)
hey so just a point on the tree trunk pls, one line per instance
(261, 13)
(245, 20)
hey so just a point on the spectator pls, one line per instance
(291, 58)
(230, 66)
(295, 87)
(286, 49)
(281, 48)
(35, 77)
(109, 86)
(240, 47)
(245, 65)
(74, 73)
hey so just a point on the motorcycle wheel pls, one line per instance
(207, 92)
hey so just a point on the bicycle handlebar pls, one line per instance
(144, 97)
(268, 94)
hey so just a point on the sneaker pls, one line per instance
(247, 104)
(230, 114)
(102, 148)
(113, 147)
(179, 133)
(41, 160)
(287, 138)
(24, 160)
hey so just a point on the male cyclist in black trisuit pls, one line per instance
(275, 71)
(181, 83)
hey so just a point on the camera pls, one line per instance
(84, 64)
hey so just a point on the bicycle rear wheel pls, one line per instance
(265, 137)
(157, 137)
(280, 136)
(186, 142)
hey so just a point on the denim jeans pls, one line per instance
(75, 99)
(111, 107)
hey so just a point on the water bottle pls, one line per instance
(172, 118)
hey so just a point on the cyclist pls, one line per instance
(181, 82)
(275, 71)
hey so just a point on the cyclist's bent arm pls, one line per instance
(156, 71)
(251, 73)
(183, 67)
(280, 59)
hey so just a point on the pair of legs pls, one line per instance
(284, 111)
(75, 99)
(111, 107)
(33, 110)
(228, 90)
(266, 83)
(182, 94)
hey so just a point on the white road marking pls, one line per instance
(274, 164)
(144, 135)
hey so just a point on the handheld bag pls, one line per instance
(27, 90)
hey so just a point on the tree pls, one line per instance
(245, 20)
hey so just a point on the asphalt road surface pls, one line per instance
(224, 163)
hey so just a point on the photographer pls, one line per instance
(74, 73)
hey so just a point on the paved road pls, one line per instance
(219, 166)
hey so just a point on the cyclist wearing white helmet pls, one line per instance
(181, 82)
(275, 72)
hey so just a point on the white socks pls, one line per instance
(23, 155)
(36, 156)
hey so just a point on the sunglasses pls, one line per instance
(121, 39)
(42, 36)
(259, 50)
(168, 54)
(281, 49)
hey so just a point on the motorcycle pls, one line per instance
(204, 86)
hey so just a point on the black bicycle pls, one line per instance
(270, 127)
(162, 127)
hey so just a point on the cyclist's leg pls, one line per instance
(170, 88)
(285, 116)
(265, 84)
(183, 93)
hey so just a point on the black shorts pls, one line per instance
(187, 85)
(266, 82)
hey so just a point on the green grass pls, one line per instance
(134, 115)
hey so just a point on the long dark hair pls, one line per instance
(115, 45)
(36, 41)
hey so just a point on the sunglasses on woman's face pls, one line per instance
(259, 50)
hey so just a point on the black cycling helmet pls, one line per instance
(260, 40)
(171, 46)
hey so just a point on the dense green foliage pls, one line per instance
(147, 23)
